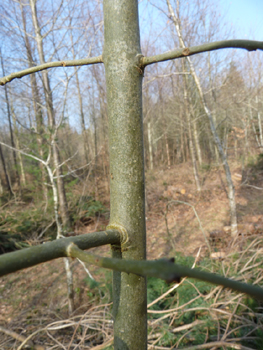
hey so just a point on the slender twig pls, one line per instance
(66, 63)
(28, 339)
(256, 188)
(86, 269)
(173, 287)
(175, 309)
(164, 269)
(250, 45)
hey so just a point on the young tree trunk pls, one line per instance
(127, 198)
(259, 124)
(190, 133)
(10, 125)
(36, 104)
(5, 172)
(95, 168)
(17, 143)
(182, 152)
(82, 116)
(51, 120)
(150, 143)
(197, 142)
(167, 151)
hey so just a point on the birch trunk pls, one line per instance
(36, 105)
(51, 120)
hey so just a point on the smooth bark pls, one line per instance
(44, 66)
(166, 270)
(121, 57)
(250, 45)
(21, 259)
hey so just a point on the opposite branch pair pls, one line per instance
(250, 45)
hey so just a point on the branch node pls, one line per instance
(68, 249)
(124, 237)
(186, 51)
(138, 63)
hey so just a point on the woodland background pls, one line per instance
(68, 106)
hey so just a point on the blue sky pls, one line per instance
(246, 16)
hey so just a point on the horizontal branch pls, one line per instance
(164, 269)
(71, 63)
(250, 45)
(21, 259)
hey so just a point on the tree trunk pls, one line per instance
(10, 125)
(127, 198)
(82, 116)
(1, 187)
(150, 144)
(51, 120)
(37, 106)
(5, 172)
(17, 143)
(190, 134)
(259, 124)
(167, 151)
(197, 142)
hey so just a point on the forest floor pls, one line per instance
(31, 298)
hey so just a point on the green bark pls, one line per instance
(166, 270)
(44, 66)
(21, 259)
(121, 57)
(250, 45)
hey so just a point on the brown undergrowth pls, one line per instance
(191, 315)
